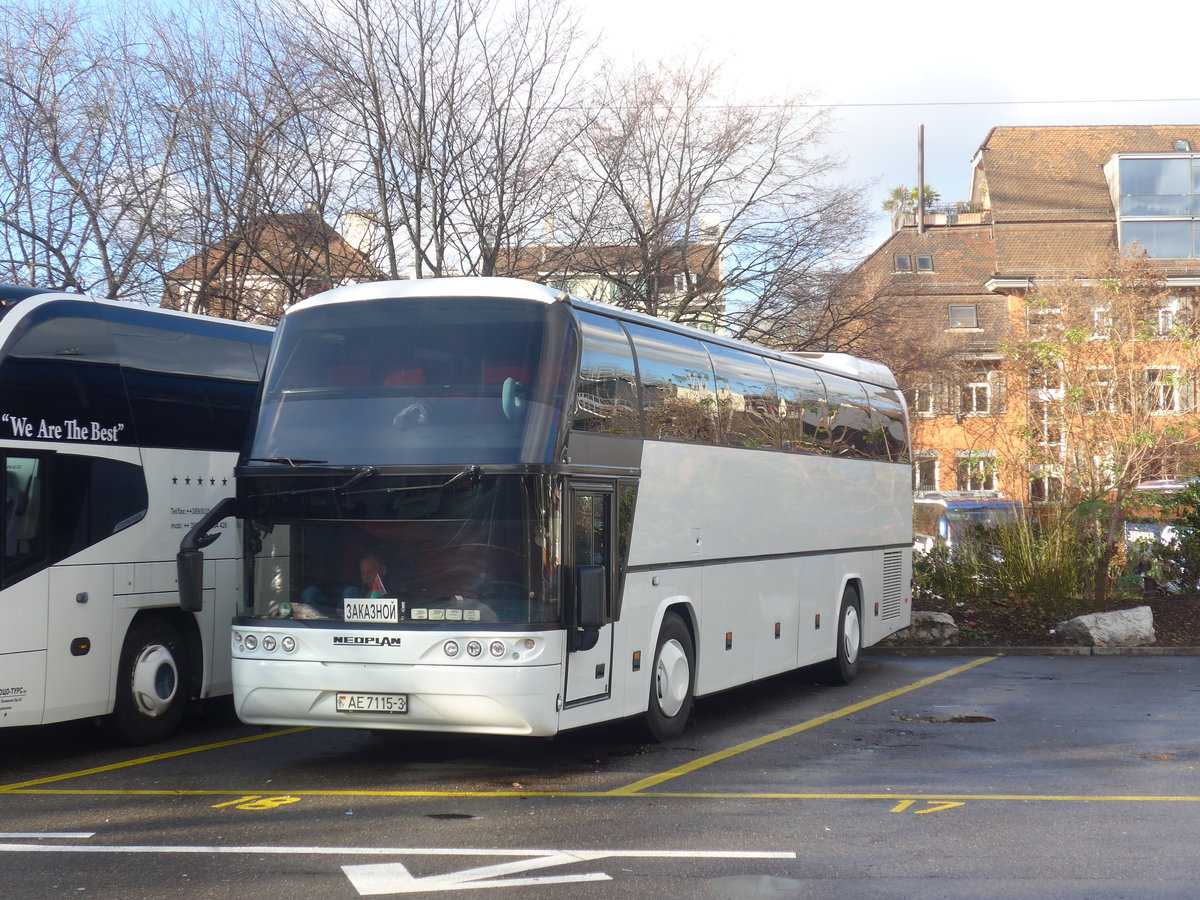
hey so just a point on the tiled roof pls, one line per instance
(291, 245)
(963, 259)
(1055, 173)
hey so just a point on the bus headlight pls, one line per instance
(450, 648)
(474, 648)
(251, 642)
(269, 643)
(496, 649)
(288, 644)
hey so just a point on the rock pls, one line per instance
(928, 629)
(1124, 628)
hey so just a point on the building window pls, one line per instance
(925, 471)
(1045, 488)
(975, 396)
(976, 470)
(902, 262)
(964, 316)
(1045, 418)
(1159, 204)
(920, 400)
(924, 262)
(1173, 317)
(1102, 323)
(1162, 394)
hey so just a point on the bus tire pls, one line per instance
(844, 666)
(152, 684)
(672, 680)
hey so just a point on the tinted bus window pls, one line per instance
(678, 393)
(803, 409)
(455, 380)
(747, 401)
(187, 390)
(849, 417)
(59, 379)
(606, 394)
(888, 436)
(57, 505)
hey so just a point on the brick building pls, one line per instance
(259, 270)
(1045, 203)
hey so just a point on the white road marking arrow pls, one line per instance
(394, 878)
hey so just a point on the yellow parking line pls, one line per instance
(147, 759)
(891, 796)
(686, 768)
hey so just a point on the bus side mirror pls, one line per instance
(189, 565)
(189, 562)
(590, 590)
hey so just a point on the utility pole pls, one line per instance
(921, 178)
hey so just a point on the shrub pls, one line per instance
(1038, 571)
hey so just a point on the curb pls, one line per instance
(1031, 651)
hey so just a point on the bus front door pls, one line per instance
(590, 543)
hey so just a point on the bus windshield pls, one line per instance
(417, 381)
(461, 550)
(981, 516)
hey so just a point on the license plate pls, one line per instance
(372, 703)
(380, 609)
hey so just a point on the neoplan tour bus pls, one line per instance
(483, 505)
(120, 427)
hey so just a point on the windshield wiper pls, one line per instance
(360, 475)
(468, 472)
(294, 461)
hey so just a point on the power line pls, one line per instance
(999, 102)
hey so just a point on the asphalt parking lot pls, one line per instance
(986, 777)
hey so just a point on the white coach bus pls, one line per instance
(119, 426)
(482, 505)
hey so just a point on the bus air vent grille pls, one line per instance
(893, 590)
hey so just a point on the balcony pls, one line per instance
(942, 217)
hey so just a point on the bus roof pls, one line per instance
(520, 289)
(964, 499)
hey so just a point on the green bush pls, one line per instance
(1175, 564)
(1038, 571)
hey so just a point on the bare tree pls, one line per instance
(258, 166)
(81, 175)
(517, 133)
(1110, 365)
(701, 210)
(452, 108)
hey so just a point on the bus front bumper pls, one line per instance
(516, 700)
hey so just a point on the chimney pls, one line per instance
(710, 225)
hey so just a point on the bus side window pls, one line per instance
(23, 545)
(747, 399)
(63, 367)
(849, 418)
(678, 390)
(803, 409)
(887, 439)
(92, 499)
(606, 394)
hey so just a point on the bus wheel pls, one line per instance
(671, 680)
(843, 667)
(151, 684)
